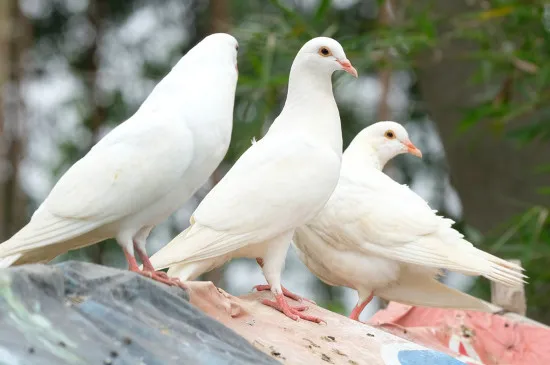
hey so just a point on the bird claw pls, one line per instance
(286, 293)
(273, 304)
(293, 313)
(162, 277)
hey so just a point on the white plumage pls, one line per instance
(145, 168)
(378, 237)
(279, 183)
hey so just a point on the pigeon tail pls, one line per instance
(428, 292)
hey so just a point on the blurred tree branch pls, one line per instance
(14, 40)
(386, 17)
(220, 19)
(97, 12)
(87, 64)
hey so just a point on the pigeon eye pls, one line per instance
(237, 47)
(389, 134)
(325, 52)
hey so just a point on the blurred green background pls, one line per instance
(469, 79)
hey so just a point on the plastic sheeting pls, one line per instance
(80, 313)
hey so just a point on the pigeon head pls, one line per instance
(379, 143)
(215, 48)
(325, 55)
(389, 139)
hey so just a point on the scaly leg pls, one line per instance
(287, 293)
(272, 266)
(359, 307)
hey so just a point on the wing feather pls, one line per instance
(121, 174)
(377, 215)
(271, 189)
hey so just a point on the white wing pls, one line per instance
(129, 170)
(273, 188)
(134, 166)
(382, 217)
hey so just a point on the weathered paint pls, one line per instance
(413, 354)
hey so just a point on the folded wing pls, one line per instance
(382, 217)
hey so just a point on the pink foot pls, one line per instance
(149, 271)
(162, 277)
(291, 312)
(287, 293)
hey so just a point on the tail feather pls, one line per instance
(7, 261)
(192, 270)
(44, 230)
(197, 243)
(169, 254)
(477, 262)
(458, 255)
(426, 291)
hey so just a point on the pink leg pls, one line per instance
(148, 269)
(147, 265)
(359, 308)
(287, 293)
(132, 263)
(291, 312)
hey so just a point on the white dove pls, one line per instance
(378, 237)
(278, 184)
(145, 168)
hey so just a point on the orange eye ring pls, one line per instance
(325, 51)
(389, 134)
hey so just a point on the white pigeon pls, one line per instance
(278, 184)
(145, 168)
(378, 237)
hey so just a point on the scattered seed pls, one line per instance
(339, 352)
(312, 344)
(326, 358)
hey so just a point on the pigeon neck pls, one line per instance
(310, 108)
(307, 87)
(360, 155)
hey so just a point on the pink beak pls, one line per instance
(411, 148)
(347, 66)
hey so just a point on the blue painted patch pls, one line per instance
(424, 357)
